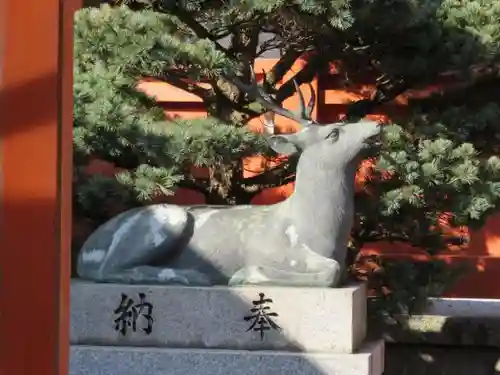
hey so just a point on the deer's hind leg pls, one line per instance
(303, 268)
(156, 275)
(130, 247)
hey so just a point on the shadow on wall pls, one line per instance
(24, 120)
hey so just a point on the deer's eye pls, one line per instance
(334, 134)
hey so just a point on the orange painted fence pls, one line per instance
(483, 251)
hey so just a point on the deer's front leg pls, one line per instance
(328, 274)
(290, 262)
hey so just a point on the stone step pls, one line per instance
(307, 319)
(105, 360)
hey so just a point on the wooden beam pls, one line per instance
(35, 217)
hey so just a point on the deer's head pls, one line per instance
(335, 143)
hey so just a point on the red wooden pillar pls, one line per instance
(35, 186)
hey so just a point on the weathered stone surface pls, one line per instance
(94, 360)
(311, 319)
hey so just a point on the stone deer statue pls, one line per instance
(301, 241)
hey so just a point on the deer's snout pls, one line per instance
(374, 139)
(371, 128)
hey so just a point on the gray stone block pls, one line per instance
(95, 360)
(311, 319)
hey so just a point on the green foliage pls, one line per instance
(433, 172)
(441, 157)
(116, 123)
(438, 174)
(410, 283)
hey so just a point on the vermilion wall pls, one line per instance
(483, 251)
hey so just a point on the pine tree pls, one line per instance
(438, 160)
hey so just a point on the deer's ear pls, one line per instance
(282, 145)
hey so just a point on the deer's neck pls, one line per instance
(322, 207)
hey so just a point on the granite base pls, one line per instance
(95, 360)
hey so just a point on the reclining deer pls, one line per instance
(301, 241)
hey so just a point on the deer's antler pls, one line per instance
(257, 93)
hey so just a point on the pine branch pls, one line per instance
(314, 65)
(227, 30)
(471, 92)
(284, 64)
(281, 174)
(194, 184)
(363, 107)
(200, 31)
(203, 93)
(244, 44)
(225, 103)
(391, 88)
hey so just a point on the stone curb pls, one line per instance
(441, 330)
(92, 360)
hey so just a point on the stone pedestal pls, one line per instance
(171, 330)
